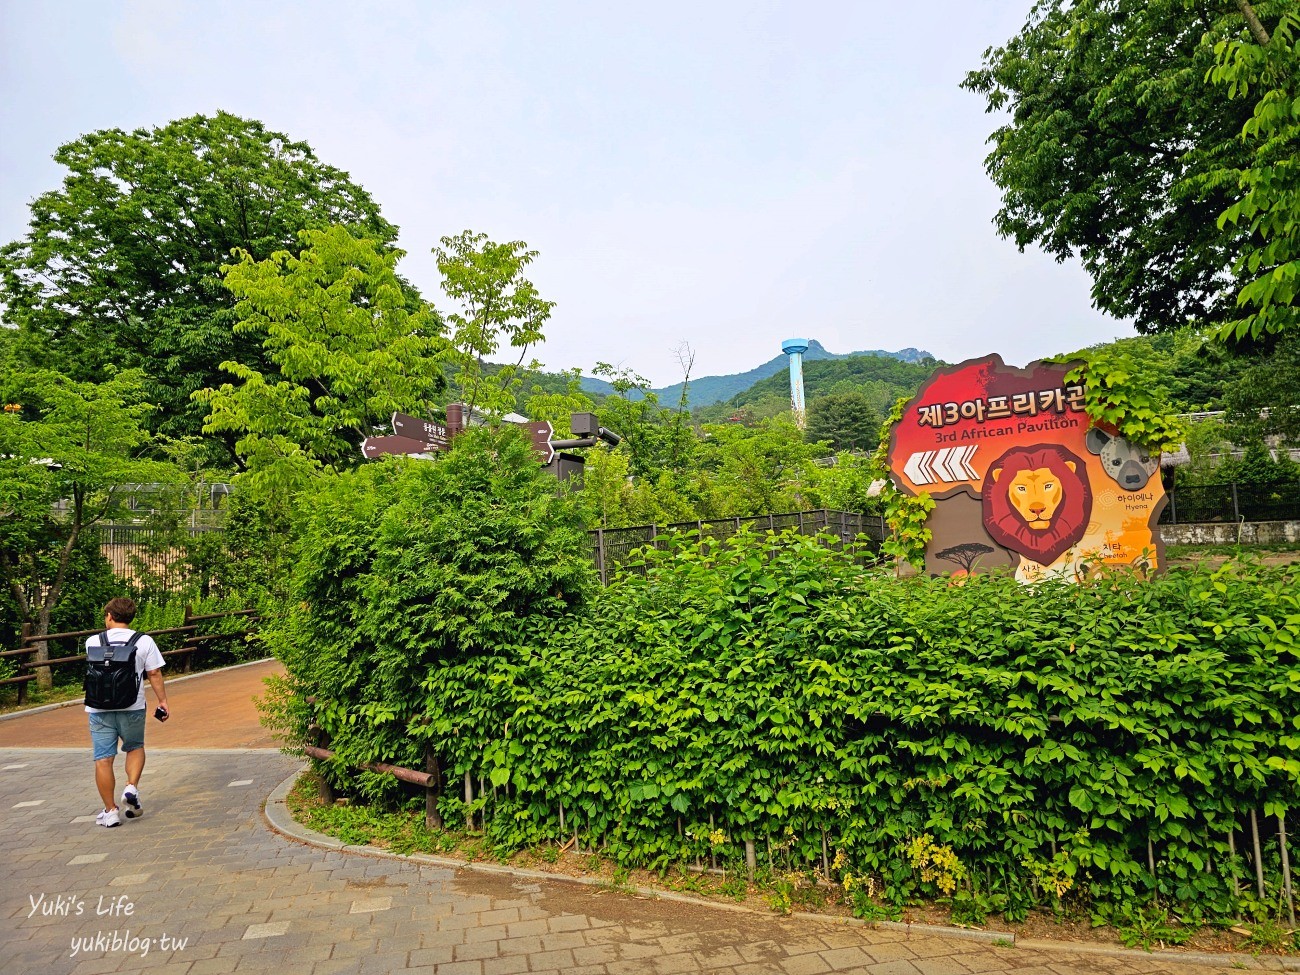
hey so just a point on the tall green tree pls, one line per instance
(347, 346)
(68, 453)
(612, 498)
(408, 569)
(123, 262)
(1252, 64)
(845, 420)
(559, 405)
(1264, 401)
(1121, 150)
(656, 440)
(496, 304)
(759, 470)
(846, 485)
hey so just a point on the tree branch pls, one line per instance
(10, 573)
(1257, 30)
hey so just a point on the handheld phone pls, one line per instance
(160, 714)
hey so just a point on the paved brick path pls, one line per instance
(202, 866)
(203, 870)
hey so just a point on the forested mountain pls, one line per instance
(1194, 377)
(821, 378)
(864, 388)
(707, 390)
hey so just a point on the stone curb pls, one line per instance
(170, 680)
(1271, 963)
(276, 812)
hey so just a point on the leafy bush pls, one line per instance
(406, 569)
(169, 613)
(1023, 743)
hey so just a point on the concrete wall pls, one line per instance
(1232, 533)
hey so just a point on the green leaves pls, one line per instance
(1156, 135)
(72, 444)
(1269, 180)
(846, 420)
(349, 347)
(123, 262)
(1122, 389)
(1115, 148)
(497, 304)
(413, 585)
(772, 688)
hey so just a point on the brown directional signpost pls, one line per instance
(411, 435)
(373, 447)
(434, 436)
(540, 433)
(414, 436)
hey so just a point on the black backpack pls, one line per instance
(112, 682)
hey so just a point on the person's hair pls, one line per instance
(121, 608)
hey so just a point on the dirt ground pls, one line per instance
(1216, 560)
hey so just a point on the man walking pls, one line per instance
(117, 660)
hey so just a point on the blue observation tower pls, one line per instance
(795, 348)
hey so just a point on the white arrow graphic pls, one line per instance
(917, 467)
(943, 465)
(946, 466)
(967, 472)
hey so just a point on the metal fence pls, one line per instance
(137, 551)
(1206, 503)
(612, 547)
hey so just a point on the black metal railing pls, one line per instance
(1208, 503)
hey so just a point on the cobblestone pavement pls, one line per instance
(201, 885)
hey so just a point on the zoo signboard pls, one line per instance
(1022, 478)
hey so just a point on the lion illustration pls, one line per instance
(1037, 503)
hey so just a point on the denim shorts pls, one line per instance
(106, 727)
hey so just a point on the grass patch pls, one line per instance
(400, 832)
(1236, 551)
(36, 697)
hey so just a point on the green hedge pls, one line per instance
(1026, 743)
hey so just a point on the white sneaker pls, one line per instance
(131, 800)
(108, 818)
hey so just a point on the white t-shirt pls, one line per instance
(147, 657)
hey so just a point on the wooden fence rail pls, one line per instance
(430, 781)
(188, 649)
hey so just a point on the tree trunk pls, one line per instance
(44, 677)
(432, 817)
(50, 595)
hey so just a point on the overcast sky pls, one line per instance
(726, 175)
